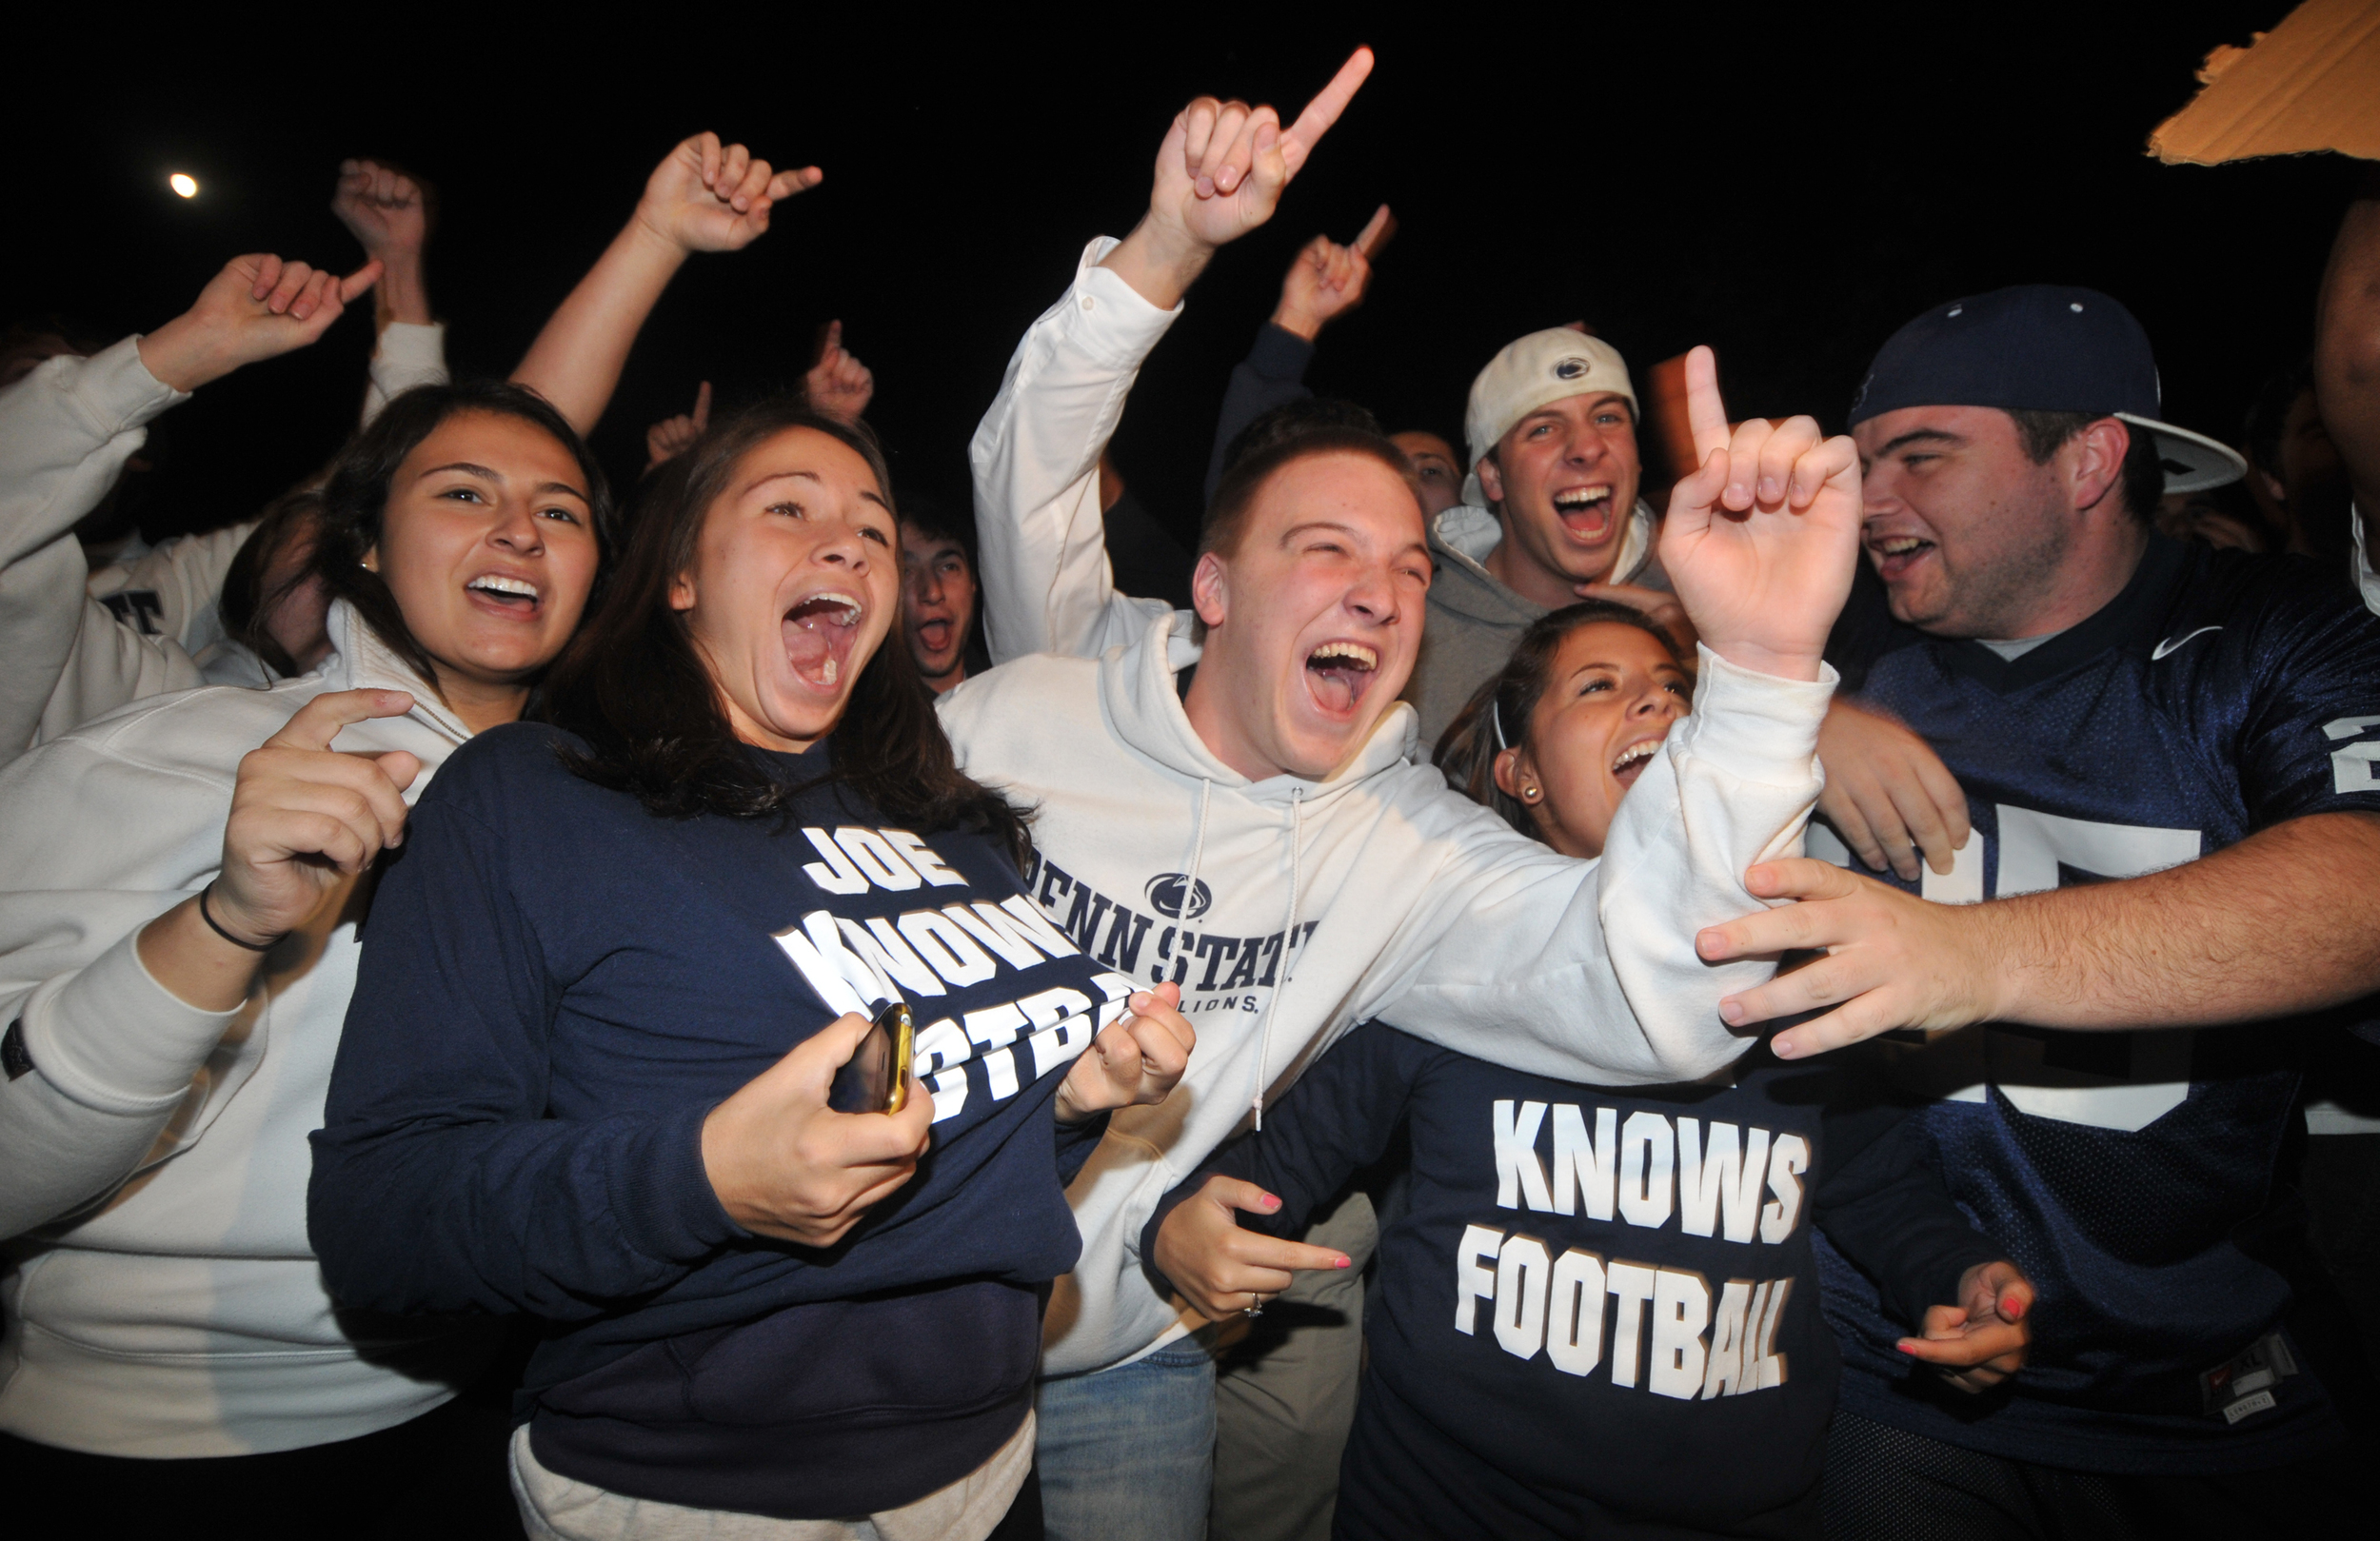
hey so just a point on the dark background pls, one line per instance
(1788, 189)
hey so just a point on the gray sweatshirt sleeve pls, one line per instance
(105, 1069)
(1042, 549)
(1587, 970)
(66, 431)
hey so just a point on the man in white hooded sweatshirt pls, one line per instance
(1257, 830)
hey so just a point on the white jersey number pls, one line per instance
(2033, 846)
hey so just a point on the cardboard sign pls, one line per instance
(2310, 83)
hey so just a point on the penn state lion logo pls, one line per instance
(1166, 891)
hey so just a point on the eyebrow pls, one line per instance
(470, 468)
(1294, 530)
(1920, 436)
(875, 498)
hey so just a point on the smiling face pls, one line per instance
(488, 545)
(1312, 617)
(1967, 532)
(1612, 694)
(793, 586)
(1565, 478)
(936, 605)
(1436, 466)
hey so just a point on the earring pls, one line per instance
(1528, 794)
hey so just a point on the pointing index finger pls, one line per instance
(1706, 414)
(319, 720)
(1324, 109)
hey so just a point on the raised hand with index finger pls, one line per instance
(1219, 173)
(1328, 280)
(257, 307)
(1761, 539)
(706, 196)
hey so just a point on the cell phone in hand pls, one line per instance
(876, 1078)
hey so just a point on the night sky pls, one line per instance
(1787, 189)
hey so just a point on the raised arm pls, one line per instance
(1047, 586)
(1324, 282)
(1588, 971)
(388, 213)
(68, 428)
(703, 197)
(2347, 364)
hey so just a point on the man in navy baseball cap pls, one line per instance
(2156, 769)
(2013, 436)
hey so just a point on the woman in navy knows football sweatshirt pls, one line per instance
(1599, 1314)
(605, 990)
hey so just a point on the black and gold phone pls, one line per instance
(876, 1078)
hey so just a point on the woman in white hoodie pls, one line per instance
(176, 978)
(179, 918)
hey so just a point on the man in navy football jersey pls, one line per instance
(2174, 752)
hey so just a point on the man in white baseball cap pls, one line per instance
(1551, 504)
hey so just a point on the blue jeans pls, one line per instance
(1129, 1453)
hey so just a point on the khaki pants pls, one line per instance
(1286, 1395)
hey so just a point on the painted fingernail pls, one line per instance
(1903, 1346)
(2012, 1308)
(1271, 1201)
(1345, 1262)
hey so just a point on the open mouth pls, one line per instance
(1586, 513)
(503, 593)
(1896, 554)
(818, 633)
(1340, 672)
(1631, 762)
(935, 633)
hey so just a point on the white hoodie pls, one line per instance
(1389, 895)
(175, 1308)
(66, 431)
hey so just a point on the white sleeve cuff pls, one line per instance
(114, 1039)
(1754, 725)
(1106, 317)
(113, 391)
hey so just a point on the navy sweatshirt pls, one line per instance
(1600, 1314)
(556, 987)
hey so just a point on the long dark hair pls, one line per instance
(1498, 715)
(356, 496)
(633, 686)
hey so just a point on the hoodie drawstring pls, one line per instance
(1288, 940)
(1198, 850)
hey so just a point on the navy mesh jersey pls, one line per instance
(2217, 694)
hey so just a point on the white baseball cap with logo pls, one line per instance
(1531, 372)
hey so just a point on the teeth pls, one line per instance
(1634, 753)
(1899, 545)
(1362, 657)
(849, 614)
(498, 583)
(832, 673)
(1582, 497)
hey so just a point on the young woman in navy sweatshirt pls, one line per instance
(1599, 1314)
(605, 990)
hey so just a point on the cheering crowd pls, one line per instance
(1494, 998)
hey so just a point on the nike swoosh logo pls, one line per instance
(2173, 644)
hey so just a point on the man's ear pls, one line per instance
(1491, 478)
(682, 592)
(2094, 460)
(1210, 589)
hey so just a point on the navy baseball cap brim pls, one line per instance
(2040, 347)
